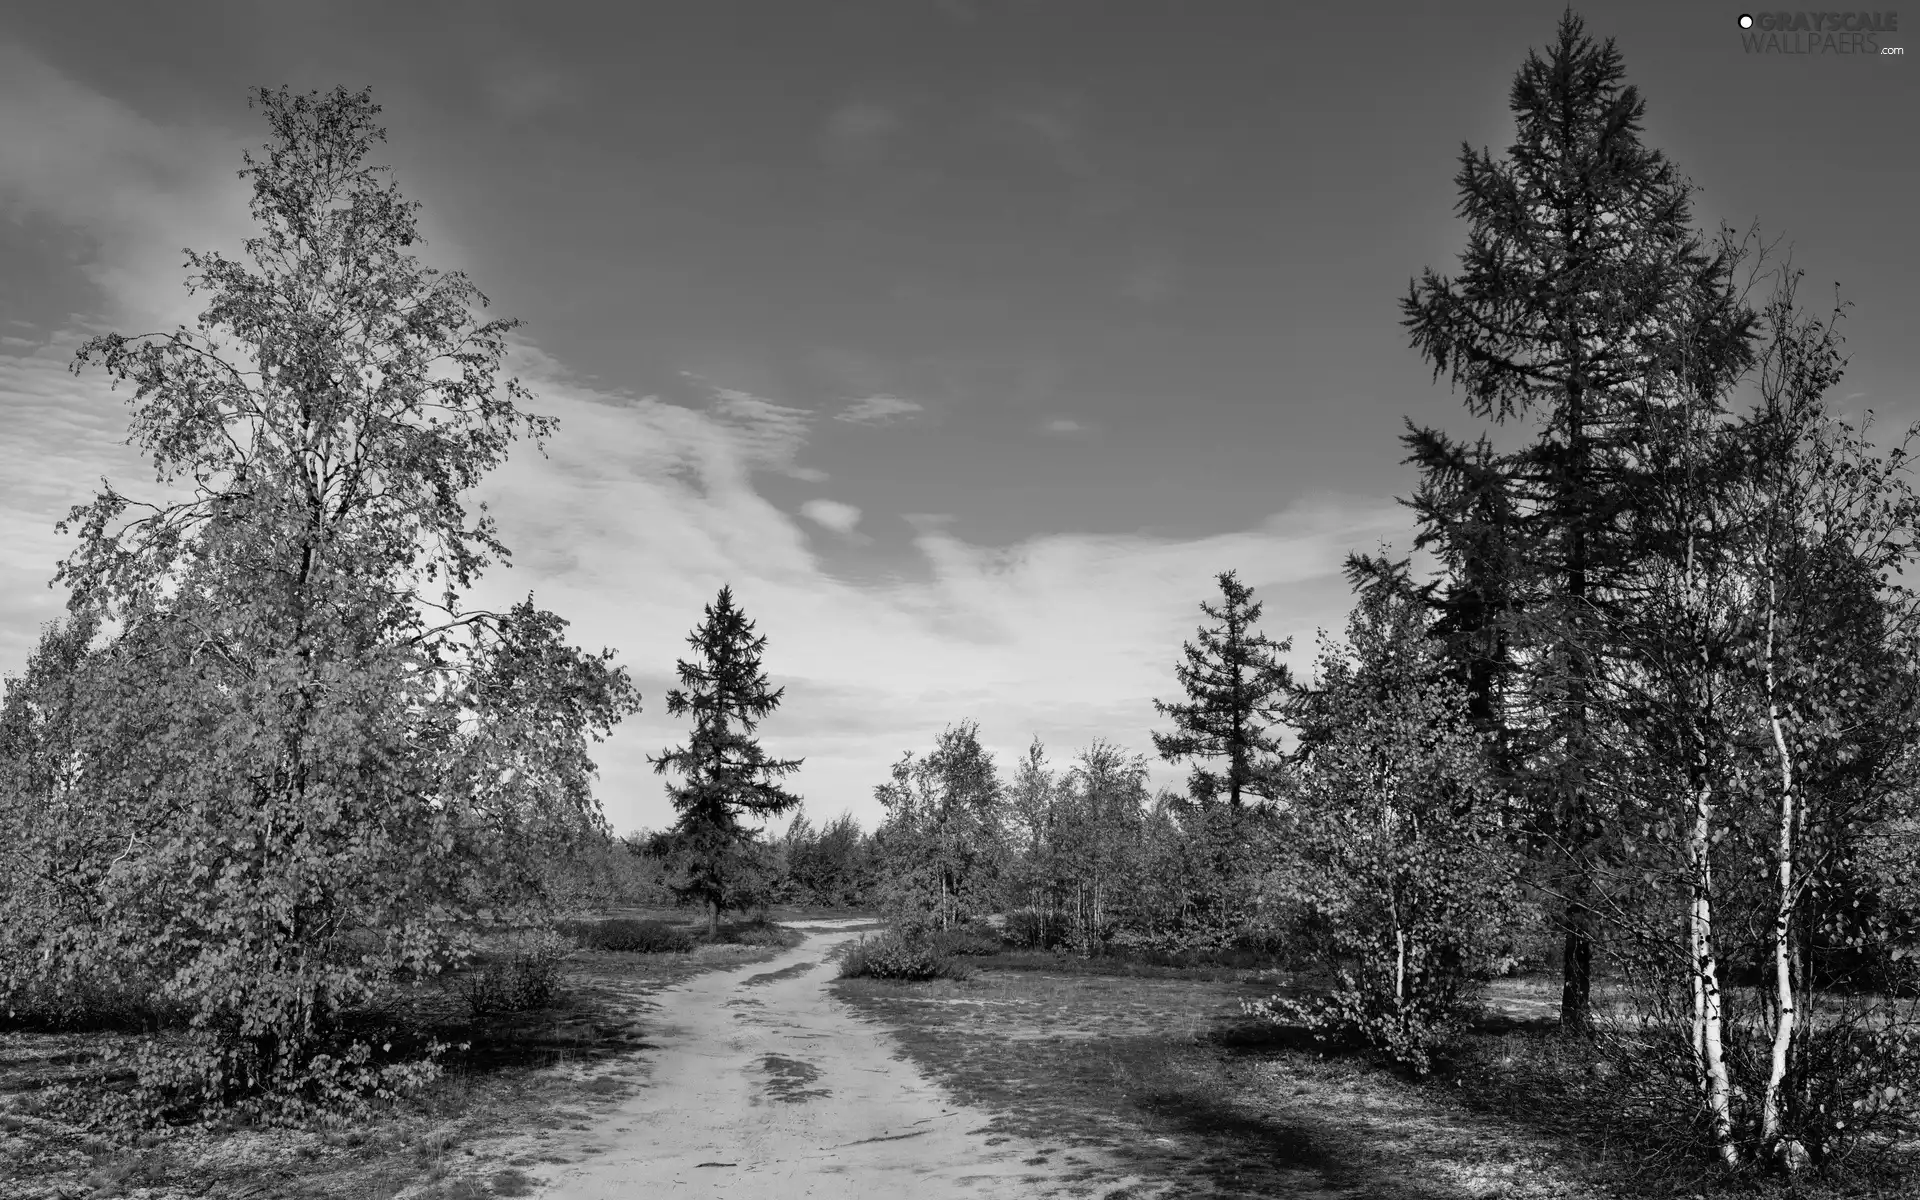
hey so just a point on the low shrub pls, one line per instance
(628, 935)
(759, 931)
(893, 957)
(521, 975)
(98, 999)
(964, 940)
(1036, 929)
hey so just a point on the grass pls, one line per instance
(532, 1071)
(798, 912)
(629, 934)
(1161, 1069)
(758, 931)
(1157, 1065)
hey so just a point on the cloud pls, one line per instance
(859, 133)
(139, 189)
(768, 435)
(1064, 425)
(832, 514)
(63, 433)
(878, 410)
(642, 508)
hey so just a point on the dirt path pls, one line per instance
(762, 1085)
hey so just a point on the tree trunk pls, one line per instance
(1576, 971)
(713, 917)
(1785, 1011)
(1710, 1066)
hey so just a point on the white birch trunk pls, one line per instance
(1709, 1055)
(1710, 1064)
(1785, 1012)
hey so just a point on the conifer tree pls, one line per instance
(1235, 686)
(1466, 513)
(1581, 272)
(727, 777)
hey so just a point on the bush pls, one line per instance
(628, 935)
(965, 940)
(97, 998)
(1035, 929)
(893, 957)
(522, 975)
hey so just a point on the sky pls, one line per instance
(967, 341)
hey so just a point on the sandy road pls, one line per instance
(762, 1085)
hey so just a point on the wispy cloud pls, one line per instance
(841, 518)
(859, 133)
(1064, 425)
(878, 410)
(1070, 636)
(140, 190)
(769, 435)
(643, 508)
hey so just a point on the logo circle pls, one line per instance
(1746, 20)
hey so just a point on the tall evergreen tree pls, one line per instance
(1581, 272)
(1465, 509)
(1235, 687)
(727, 776)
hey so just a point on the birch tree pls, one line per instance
(1398, 839)
(314, 745)
(944, 840)
(1768, 687)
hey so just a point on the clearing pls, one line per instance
(758, 1083)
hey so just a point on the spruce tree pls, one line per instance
(1235, 687)
(727, 777)
(1581, 273)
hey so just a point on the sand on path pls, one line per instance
(769, 1087)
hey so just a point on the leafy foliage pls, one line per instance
(1398, 837)
(297, 760)
(893, 956)
(520, 974)
(1037, 929)
(627, 934)
(831, 865)
(943, 846)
